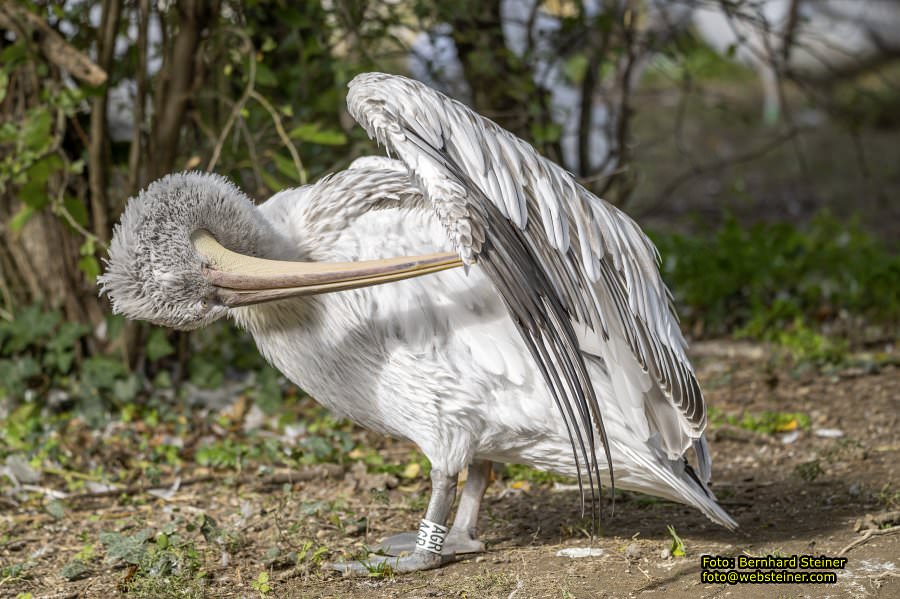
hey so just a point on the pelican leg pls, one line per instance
(428, 552)
(462, 536)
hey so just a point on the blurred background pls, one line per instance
(757, 141)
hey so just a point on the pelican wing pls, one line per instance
(577, 274)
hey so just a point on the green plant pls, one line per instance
(677, 548)
(261, 584)
(777, 282)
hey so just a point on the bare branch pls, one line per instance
(54, 48)
(301, 172)
(239, 106)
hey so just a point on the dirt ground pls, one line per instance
(804, 496)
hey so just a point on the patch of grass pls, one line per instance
(888, 496)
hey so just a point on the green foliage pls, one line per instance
(261, 584)
(130, 549)
(37, 349)
(771, 281)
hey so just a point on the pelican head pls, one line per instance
(192, 245)
(155, 272)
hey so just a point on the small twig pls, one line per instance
(254, 158)
(239, 106)
(869, 534)
(301, 172)
(58, 206)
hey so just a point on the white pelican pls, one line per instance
(560, 316)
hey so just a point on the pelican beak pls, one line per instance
(244, 280)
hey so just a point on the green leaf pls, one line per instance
(74, 570)
(34, 191)
(12, 55)
(21, 218)
(56, 509)
(285, 166)
(677, 543)
(271, 181)
(130, 550)
(35, 134)
(101, 372)
(158, 346)
(89, 266)
(76, 209)
(311, 132)
(264, 76)
(126, 390)
(575, 68)
(268, 44)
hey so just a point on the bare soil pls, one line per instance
(803, 497)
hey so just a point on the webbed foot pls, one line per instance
(386, 565)
(457, 542)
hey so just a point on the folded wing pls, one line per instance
(577, 275)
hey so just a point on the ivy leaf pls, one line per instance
(35, 133)
(130, 550)
(75, 570)
(158, 346)
(34, 191)
(76, 209)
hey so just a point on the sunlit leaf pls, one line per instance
(21, 217)
(89, 266)
(312, 133)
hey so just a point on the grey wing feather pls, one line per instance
(557, 253)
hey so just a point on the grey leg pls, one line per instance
(465, 526)
(462, 536)
(443, 492)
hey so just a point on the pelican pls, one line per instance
(553, 345)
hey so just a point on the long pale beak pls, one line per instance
(243, 280)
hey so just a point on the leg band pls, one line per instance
(431, 536)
